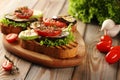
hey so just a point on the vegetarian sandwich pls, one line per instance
(51, 36)
(19, 20)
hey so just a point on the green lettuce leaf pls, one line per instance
(13, 23)
(99, 10)
(57, 42)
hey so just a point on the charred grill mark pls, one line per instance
(68, 46)
(58, 47)
(74, 44)
(63, 47)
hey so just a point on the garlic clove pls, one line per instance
(114, 31)
(108, 24)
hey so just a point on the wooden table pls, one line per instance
(93, 67)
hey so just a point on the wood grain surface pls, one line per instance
(93, 67)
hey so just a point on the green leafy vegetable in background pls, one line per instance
(99, 10)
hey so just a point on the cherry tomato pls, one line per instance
(112, 56)
(50, 22)
(7, 66)
(12, 37)
(115, 48)
(48, 33)
(103, 46)
(106, 38)
(23, 12)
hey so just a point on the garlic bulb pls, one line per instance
(114, 31)
(110, 28)
(108, 24)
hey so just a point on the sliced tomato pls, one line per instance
(24, 12)
(50, 22)
(60, 24)
(47, 22)
(12, 37)
(48, 32)
(7, 66)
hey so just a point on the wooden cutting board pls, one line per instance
(45, 60)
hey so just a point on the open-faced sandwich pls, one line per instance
(51, 36)
(19, 20)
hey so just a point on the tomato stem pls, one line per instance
(105, 32)
(15, 67)
(8, 59)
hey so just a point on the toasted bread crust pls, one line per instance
(62, 52)
(10, 29)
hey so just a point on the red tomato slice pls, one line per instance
(12, 37)
(60, 24)
(48, 33)
(50, 22)
(7, 66)
(47, 22)
(113, 56)
(24, 13)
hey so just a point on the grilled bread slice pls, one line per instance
(62, 52)
(10, 29)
